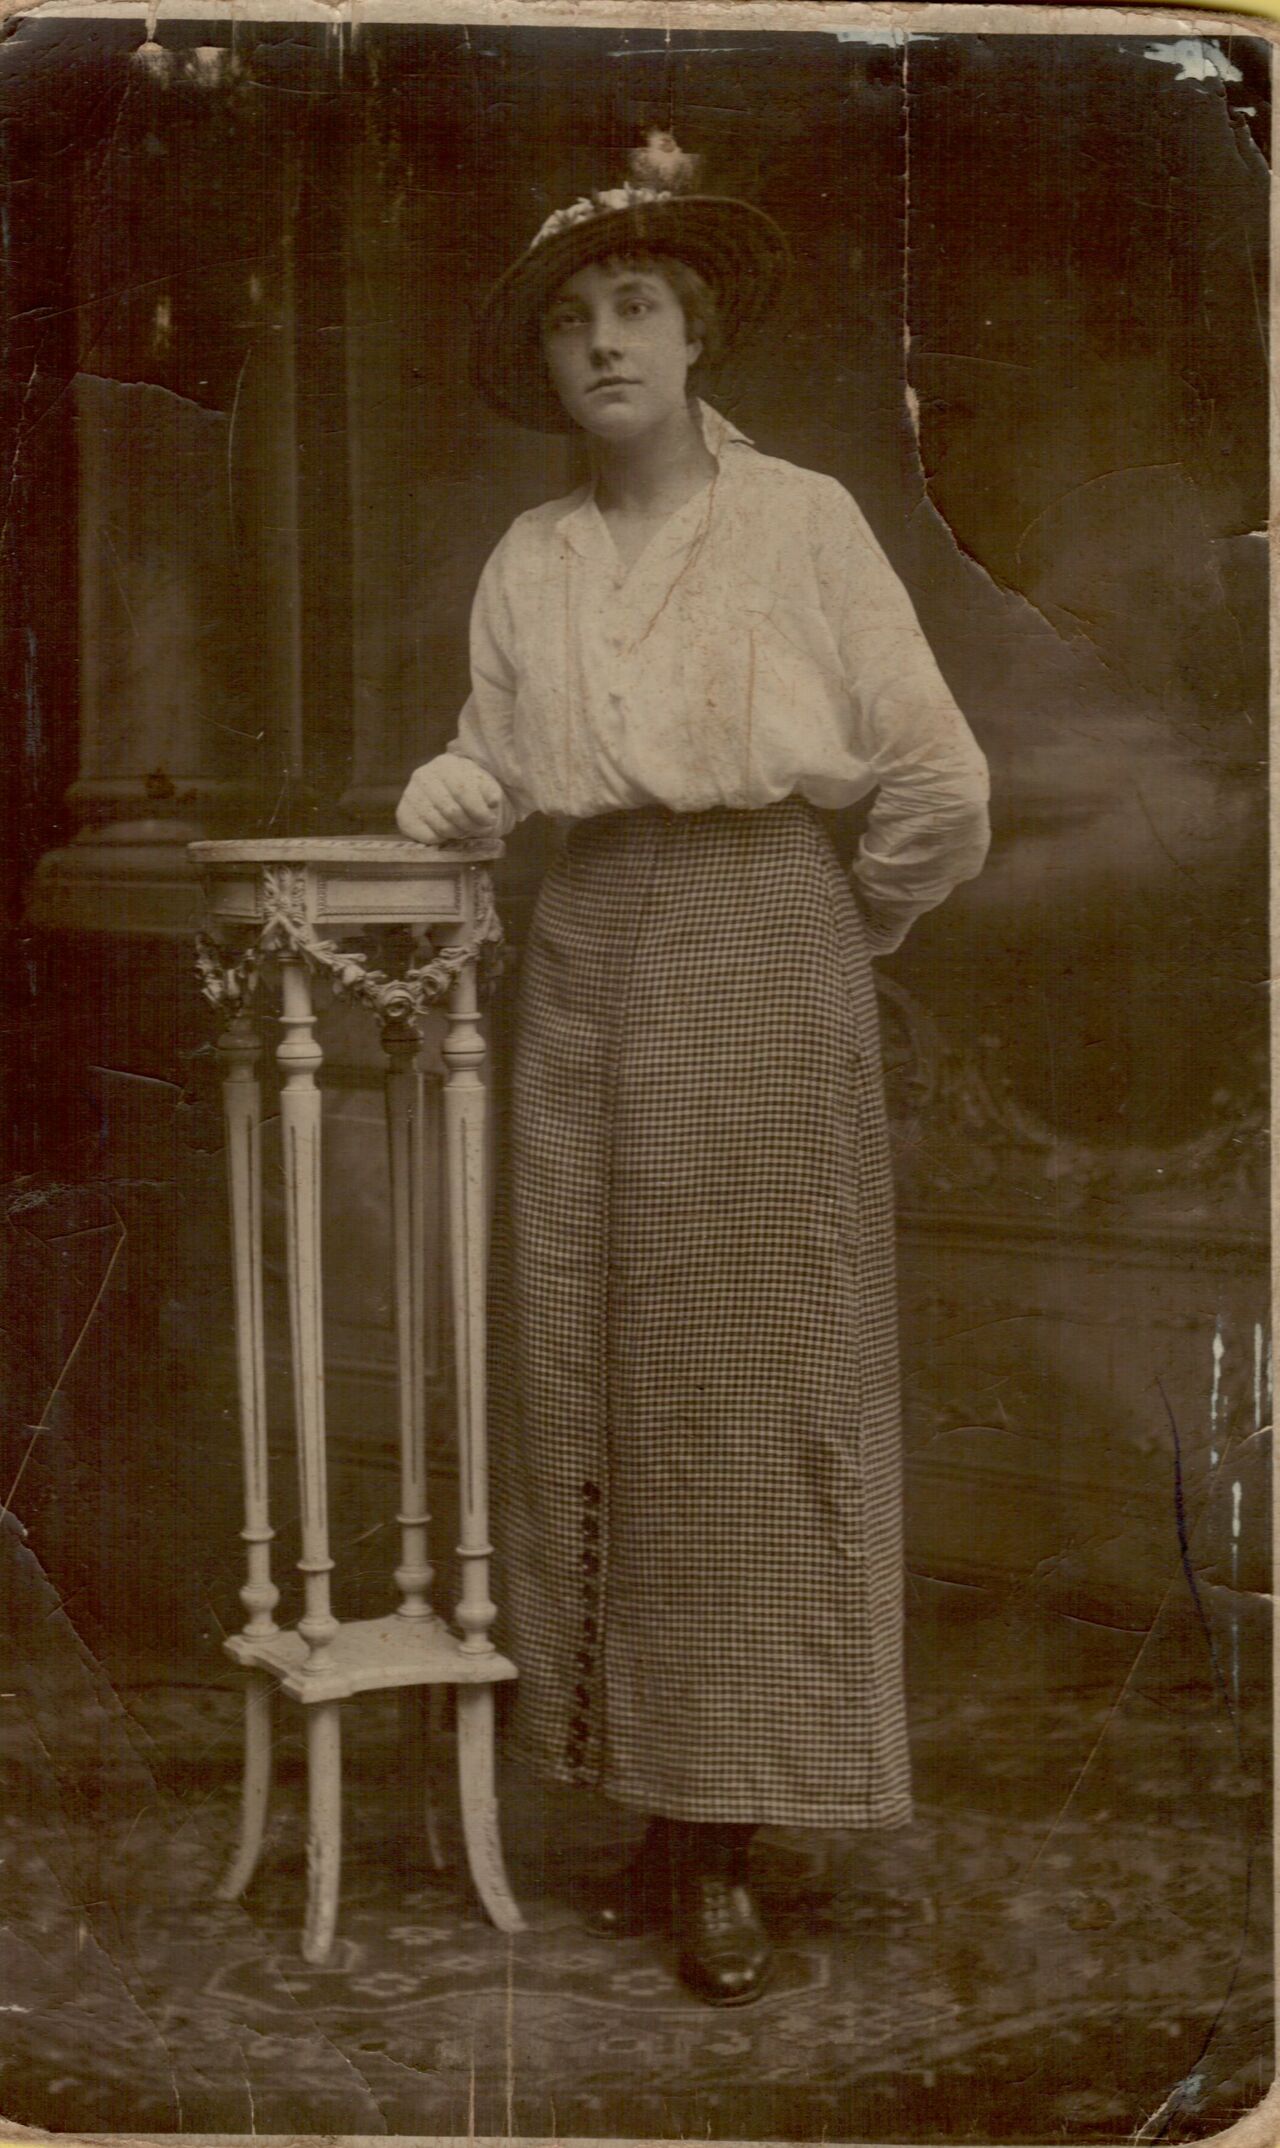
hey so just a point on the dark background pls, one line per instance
(248, 492)
(250, 473)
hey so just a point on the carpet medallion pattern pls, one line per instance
(1068, 1944)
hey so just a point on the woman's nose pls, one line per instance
(604, 342)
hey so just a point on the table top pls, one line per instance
(358, 852)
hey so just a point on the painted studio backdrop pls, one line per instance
(248, 495)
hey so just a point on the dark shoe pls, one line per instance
(723, 1953)
(637, 1899)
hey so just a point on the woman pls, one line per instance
(696, 1457)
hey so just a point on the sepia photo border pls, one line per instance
(1261, 2128)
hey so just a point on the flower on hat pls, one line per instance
(663, 163)
(601, 203)
(659, 170)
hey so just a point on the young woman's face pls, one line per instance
(618, 350)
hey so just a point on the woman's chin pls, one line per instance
(621, 419)
(614, 420)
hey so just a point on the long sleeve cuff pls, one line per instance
(917, 871)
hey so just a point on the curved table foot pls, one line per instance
(480, 1807)
(324, 1827)
(255, 1791)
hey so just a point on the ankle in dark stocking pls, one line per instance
(637, 1899)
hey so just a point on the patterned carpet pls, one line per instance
(1068, 1945)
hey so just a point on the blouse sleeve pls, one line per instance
(928, 828)
(486, 727)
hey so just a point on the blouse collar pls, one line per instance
(580, 521)
(718, 431)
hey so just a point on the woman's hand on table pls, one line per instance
(449, 800)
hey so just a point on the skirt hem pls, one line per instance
(764, 1812)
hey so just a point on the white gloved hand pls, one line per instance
(449, 800)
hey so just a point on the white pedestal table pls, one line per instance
(284, 913)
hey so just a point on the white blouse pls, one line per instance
(761, 645)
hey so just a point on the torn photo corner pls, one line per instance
(862, 1463)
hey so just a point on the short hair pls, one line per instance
(698, 301)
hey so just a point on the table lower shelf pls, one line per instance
(370, 1655)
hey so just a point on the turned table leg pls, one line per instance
(239, 1048)
(464, 1125)
(299, 1058)
(406, 1152)
(408, 1229)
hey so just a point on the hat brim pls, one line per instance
(738, 250)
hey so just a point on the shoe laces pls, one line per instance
(720, 1907)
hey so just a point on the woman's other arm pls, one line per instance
(928, 829)
(472, 788)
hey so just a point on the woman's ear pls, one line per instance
(693, 345)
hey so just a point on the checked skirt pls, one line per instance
(696, 1462)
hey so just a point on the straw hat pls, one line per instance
(738, 250)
